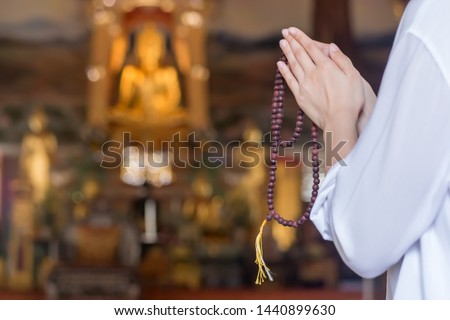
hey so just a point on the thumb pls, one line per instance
(343, 62)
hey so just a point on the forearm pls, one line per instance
(341, 134)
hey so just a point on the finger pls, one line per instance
(324, 47)
(302, 56)
(298, 52)
(293, 60)
(289, 78)
(299, 61)
(341, 60)
(308, 44)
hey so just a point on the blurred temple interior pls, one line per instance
(133, 147)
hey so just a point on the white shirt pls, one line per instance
(388, 208)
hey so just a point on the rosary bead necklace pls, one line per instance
(276, 142)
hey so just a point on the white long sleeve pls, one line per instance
(389, 207)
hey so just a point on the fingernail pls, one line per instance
(285, 32)
(280, 65)
(283, 43)
(292, 31)
(333, 47)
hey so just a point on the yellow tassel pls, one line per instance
(263, 270)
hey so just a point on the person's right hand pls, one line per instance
(370, 97)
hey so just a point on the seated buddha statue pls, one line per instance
(149, 91)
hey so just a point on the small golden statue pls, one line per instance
(38, 148)
(203, 207)
(149, 91)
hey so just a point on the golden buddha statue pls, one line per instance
(203, 207)
(38, 148)
(90, 190)
(149, 91)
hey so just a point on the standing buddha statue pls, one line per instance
(38, 148)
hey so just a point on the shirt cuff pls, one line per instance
(320, 213)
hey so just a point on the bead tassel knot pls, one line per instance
(263, 271)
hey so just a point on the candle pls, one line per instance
(151, 231)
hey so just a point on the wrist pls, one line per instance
(343, 122)
(340, 136)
